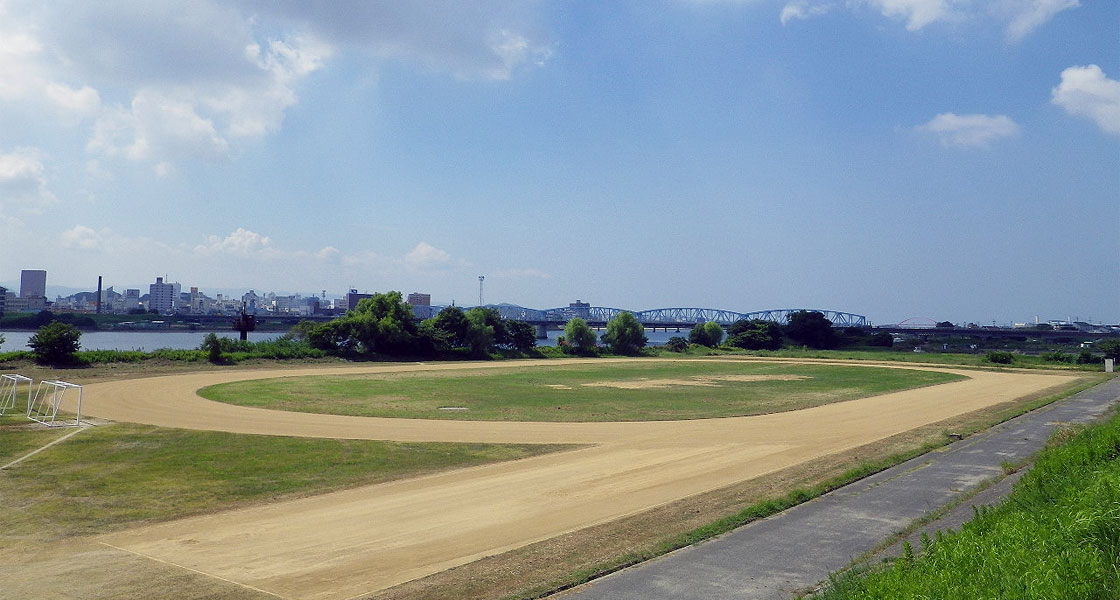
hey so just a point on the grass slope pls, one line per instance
(575, 393)
(1056, 537)
(109, 476)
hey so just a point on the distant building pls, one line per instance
(3, 295)
(421, 305)
(578, 309)
(162, 297)
(131, 300)
(32, 283)
(353, 298)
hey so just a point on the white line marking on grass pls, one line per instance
(34, 452)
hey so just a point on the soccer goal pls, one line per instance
(9, 391)
(49, 396)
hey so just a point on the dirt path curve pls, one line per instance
(349, 543)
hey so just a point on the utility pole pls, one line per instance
(480, 278)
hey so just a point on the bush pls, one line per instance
(1057, 357)
(999, 357)
(1110, 348)
(677, 344)
(1087, 358)
(55, 344)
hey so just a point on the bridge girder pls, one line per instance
(664, 317)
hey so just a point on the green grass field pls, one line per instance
(1056, 536)
(114, 475)
(635, 391)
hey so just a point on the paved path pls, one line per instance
(792, 552)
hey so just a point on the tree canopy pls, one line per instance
(811, 328)
(580, 337)
(755, 334)
(55, 343)
(625, 334)
(706, 334)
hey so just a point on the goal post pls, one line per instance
(9, 391)
(49, 396)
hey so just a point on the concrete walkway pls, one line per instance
(792, 552)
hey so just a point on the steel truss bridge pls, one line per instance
(654, 318)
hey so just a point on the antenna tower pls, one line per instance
(480, 279)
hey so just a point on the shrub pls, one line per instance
(1087, 358)
(677, 344)
(1057, 357)
(999, 357)
(55, 344)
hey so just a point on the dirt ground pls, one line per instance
(356, 542)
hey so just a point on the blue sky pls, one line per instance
(950, 159)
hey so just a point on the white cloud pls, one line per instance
(803, 9)
(83, 238)
(1025, 16)
(1019, 17)
(23, 181)
(472, 40)
(81, 102)
(426, 255)
(970, 130)
(916, 13)
(18, 71)
(241, 241)
(1088, 92)
(167, 82)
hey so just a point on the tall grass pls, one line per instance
(1056, 537)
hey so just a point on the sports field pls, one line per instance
(348, 543)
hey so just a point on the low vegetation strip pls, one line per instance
(635, 391)
(1057, 536)
(117, 475)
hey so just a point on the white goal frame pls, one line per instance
(9, 391)
(43, 407)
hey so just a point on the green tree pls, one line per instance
(706, 334)
(55, 344)
(480, 333)
(452, 321)
(212, 344)
(384, 324)
(755, 334)
(522, 336)
(580, 336)
(811, 328)
(336, 337)
(625, 334)
(1110, 348)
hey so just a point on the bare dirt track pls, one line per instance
(354, 542)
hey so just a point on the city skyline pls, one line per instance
(238, 295)
(932, 158)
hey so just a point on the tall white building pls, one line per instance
(163, 296)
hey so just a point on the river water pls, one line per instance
(186, 340)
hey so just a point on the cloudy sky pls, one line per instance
(950, 159)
